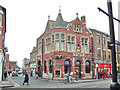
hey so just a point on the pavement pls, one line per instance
(6, 83)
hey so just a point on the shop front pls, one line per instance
(106, 69)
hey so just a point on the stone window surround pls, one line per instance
(87, 43)
(71, 35)
(39, 52)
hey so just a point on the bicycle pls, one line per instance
(66, 80)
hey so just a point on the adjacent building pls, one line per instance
(2, 39)
(24, 61)
(33, 61)
(102, 53)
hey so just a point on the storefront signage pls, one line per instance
(105, 65)
(77, 63)
(87, 63)
(67, 63)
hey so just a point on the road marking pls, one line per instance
(16, 84)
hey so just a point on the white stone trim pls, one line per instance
(1, 12)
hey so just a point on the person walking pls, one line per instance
(26, 78)
(5, 74)
(36, 74)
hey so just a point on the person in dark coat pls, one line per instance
(5, 74)
(26, 79)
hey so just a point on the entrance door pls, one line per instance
(78, 68)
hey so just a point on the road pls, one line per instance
(42, 83)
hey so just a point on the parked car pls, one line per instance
(14, 74)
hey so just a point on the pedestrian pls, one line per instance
(5, 74)
(101, 74)
(36, 74)
(26, 78)
(108, 74)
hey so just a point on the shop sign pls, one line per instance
(87, 63)
(67, 63)
(105, 65)
(77, 63)
(32, 65)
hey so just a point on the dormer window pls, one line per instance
(77, 28)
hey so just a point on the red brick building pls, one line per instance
(2, 39)
(7, 62)
(65, 46)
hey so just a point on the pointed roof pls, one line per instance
(59, 21)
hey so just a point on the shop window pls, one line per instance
(45, 67)
(87, 67)
(57, 73)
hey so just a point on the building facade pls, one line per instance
(33, 61)
(2, 39)
(24, 61)
(65, 47)
(102, 54)
(7, 62)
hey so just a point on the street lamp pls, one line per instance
(114, 85)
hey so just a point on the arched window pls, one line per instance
(45, 67)
(67, 66)
(87, 67)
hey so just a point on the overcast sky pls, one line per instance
(27, 19)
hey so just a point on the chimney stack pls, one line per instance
(83, 20)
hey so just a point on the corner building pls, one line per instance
(65, 46)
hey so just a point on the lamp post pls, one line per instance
(114, 85)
